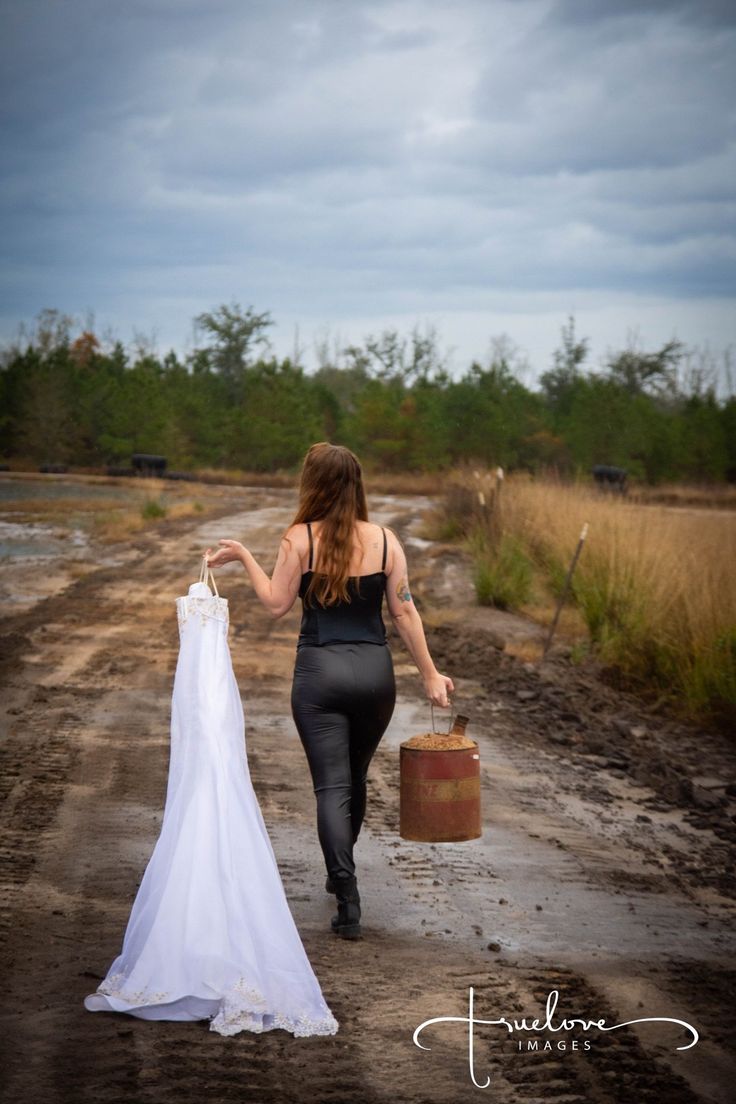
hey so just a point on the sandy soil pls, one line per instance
(605, 870)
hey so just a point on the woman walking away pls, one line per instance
(343, 691)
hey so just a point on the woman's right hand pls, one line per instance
(438, 687)
(230, 552)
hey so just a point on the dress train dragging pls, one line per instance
(210, 933)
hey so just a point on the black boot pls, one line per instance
(347, 921)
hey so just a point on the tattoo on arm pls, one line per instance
(402, 590)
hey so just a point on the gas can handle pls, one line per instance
(449, 706)
(458, 723)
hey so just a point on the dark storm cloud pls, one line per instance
(711, 12)
(328, 159)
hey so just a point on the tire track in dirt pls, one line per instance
(101, 813)
(438, 877)
(88, 755)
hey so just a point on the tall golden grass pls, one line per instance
(655, 587)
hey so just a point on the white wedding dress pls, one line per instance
(210, 933)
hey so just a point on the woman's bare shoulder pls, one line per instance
(391, 536)
(394, 550)
(297, 536)
(370, 531)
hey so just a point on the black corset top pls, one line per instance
(345, 622)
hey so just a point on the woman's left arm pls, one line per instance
(277, 593)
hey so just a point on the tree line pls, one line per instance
(231, 403)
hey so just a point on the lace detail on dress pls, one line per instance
(214, 607)
(115, 986)
(242, 1008)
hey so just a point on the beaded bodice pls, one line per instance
(201, 602)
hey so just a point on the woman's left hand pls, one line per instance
(230, 552)
(438, 688)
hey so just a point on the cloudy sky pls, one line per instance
(484, 166)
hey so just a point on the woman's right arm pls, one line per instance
(405, 617)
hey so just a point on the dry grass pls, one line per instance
(529, 651)
(654, 587)
(53, 509)
(721, 497)
(399, 483)
(118, 524)
(105, 519)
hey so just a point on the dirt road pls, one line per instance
(604, 871)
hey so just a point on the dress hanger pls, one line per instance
(204, 569)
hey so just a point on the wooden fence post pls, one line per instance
(568, 577)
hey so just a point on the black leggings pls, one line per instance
(342, 699)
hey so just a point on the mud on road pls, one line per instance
(605, 870)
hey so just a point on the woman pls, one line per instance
(343, 692)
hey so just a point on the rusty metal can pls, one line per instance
(440, 786)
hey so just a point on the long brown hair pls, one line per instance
(331, 491)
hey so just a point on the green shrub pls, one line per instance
(153, 509)
(502, 576)
(710, 683)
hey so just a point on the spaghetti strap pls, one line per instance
(309, 530)
(383, 565)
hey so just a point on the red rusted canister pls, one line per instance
(440, 787)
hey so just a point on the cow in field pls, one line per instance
(609, 478)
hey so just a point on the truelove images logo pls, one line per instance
(547, 1024)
